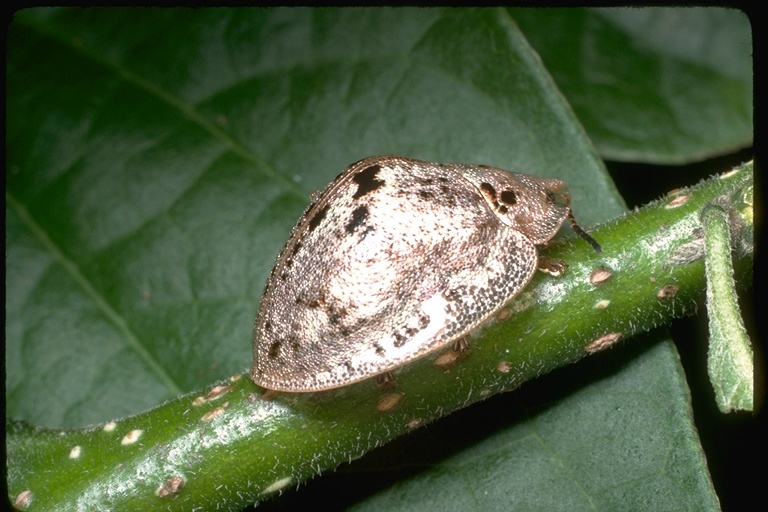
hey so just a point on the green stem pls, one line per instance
(227, 446)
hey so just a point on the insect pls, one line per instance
(397, 258)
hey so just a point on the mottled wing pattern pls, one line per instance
(395, 259)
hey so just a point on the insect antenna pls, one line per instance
(583, 234)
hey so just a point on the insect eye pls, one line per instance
(558, 198)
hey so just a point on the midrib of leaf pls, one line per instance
(74, 271)
(185, 109)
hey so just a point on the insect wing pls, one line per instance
(395, 259)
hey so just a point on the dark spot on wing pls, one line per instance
(359, 216)
(317, 218)
(367, 181)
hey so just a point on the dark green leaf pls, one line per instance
(157, 158)
(664, 85)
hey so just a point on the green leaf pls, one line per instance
(156, 184)
(662, 85)
(157, 158)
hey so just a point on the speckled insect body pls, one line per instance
(395, 259)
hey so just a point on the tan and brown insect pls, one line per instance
(395, 259)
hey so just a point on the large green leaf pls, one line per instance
(157, 159)
(651, 85)
(152, 179)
